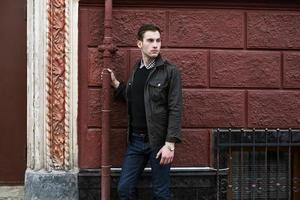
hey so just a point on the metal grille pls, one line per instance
(257, 163)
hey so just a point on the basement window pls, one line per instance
(257, 164)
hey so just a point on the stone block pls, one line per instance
(278, 30)
(95, 65)
(192, 65)
(127, 22)
(274, 109)
(118, 144)
(213, 108)
(91, 148)
(118, 110)
(135, 56)
(245, 69)
(95, 26)
(291, 70)
(194, 151)
(59, 185)
(94, 107)
(12, 192)
(213, 28)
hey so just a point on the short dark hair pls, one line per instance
(144, 28)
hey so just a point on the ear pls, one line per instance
(139, 43)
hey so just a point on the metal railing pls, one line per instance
(257, 163)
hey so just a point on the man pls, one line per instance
(154, 100)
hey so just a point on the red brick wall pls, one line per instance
(240, 68)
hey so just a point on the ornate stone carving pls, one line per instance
(57, 131)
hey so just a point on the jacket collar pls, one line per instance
(158, 62)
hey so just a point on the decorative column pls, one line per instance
(52, 83)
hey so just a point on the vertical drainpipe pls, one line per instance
(107, 49)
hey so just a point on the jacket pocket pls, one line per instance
(157, 90)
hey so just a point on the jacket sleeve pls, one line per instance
(174, 107)
(120, 92)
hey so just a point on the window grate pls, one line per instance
(257, 163)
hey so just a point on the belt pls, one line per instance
(140, 131)
(143, 135)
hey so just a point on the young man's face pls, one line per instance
(150, 46)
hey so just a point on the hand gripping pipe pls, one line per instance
(107, 49)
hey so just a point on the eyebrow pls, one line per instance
(153, 39)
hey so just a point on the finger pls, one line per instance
(162, 160)
(102, 72)
(106, 69)
(168, 161)
(165, 161)
(158, 154)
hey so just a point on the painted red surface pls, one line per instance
(13, 92)
(237, 67)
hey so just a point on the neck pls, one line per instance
(147, 59)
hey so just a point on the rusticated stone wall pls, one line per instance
(240, 68)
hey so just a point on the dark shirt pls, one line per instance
(138, 115)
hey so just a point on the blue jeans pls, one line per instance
(136, 158)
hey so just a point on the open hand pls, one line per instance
(166, 155)
(114, 82)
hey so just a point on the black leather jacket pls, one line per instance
(163, 102)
